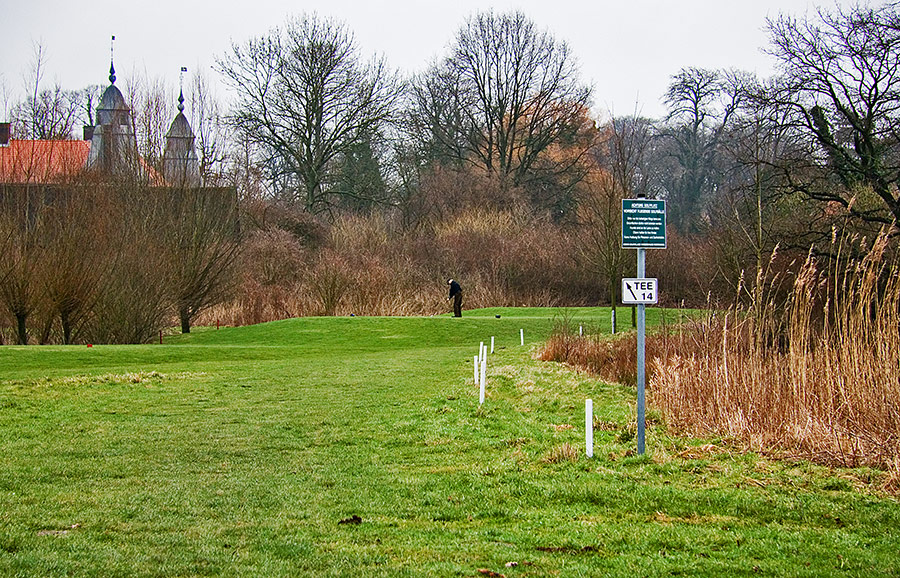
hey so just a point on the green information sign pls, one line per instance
(643, 224)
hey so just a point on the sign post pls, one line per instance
(641, 340)
(643, 227)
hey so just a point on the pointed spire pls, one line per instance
(181, 90)
(112, 69)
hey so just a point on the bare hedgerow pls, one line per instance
(370, 265)
(512, 258)
(272, 264)
(274, 257)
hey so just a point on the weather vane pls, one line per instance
(181, 89)
(112, 70)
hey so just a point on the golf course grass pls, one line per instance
(355, 446)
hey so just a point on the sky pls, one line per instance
(627, 49)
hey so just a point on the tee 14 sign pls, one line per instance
(639, 291)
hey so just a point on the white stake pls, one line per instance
(580, 330)
(492, 345)
(589, 427)
(481, 352)
(475, 366)
(522, 336)
(481, 389)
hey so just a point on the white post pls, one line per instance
(481, 389)
(475, 365)
(589, 427)
(580, 330)
(522, 336)
(492, 345)
(481, 352)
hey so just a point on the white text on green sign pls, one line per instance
(643, 224)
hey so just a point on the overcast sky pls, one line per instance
(627, 49)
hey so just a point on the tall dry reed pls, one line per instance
(817, 375)
(812, 372)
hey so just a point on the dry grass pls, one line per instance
(812, 374)
(562, 453)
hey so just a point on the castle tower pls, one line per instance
(181, 168)
(113, 145)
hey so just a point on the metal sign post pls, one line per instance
(641, 336)
(643, 227)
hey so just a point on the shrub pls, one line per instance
(329, 280)
(368, 266)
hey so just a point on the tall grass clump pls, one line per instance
(807, 366)
(817, 375)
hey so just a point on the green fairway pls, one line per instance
(355, 446)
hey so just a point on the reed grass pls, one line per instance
(812, 372)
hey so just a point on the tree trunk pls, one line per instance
(185, 321)
(66, 327)
(22, 333)
(45, 331)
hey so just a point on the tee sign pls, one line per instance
(639, 291)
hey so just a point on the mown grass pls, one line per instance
(356, 447)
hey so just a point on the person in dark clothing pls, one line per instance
(456, 295)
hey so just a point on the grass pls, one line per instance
(809, 366)
(355, 446)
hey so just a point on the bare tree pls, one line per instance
(89, 98)
(211, 133)
(22, 224)
(753, 214)
(46, 114)
(841, 81)
(702, 104)
(620, 173)
(132, 304)
(76, 259)
(506, 94)
(152, 110)
(435, 119)
(305, 96)
(201, 247)
(50, 114)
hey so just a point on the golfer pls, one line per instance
(456, 295)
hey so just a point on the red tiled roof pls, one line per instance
(42, 161)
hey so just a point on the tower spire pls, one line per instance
(181, 89)
(112, 69)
